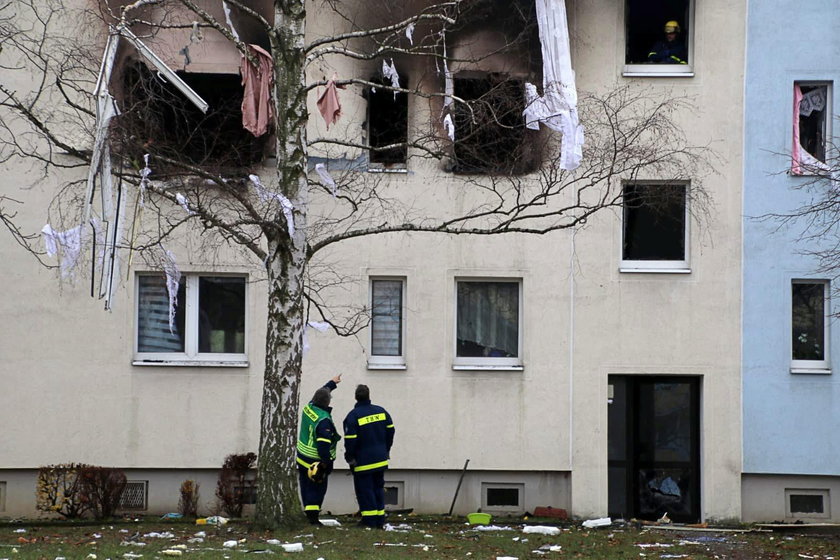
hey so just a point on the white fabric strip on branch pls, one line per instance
(285, 204)
(390, 72)
(173, 281)
(448, 81)
(409, 32)
(70, 244)
(326, 178)
(144, 179)
(557, 108)
(449, 127)
(229, 21)
(185, 204)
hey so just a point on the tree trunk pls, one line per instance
(277, 495)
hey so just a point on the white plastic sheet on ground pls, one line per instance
(541, 530)
(557, 107)
(600, 522)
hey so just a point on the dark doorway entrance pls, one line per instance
(654, 447)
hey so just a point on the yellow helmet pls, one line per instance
(316, 472)
(672, 26)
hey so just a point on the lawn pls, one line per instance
(428, 538)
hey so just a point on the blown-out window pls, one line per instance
(207, 322)
(490, 132)
(387, 126)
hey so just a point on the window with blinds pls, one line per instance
(386, 324)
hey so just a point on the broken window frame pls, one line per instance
(381, 360)
(509, 363)
(812, 163)
(402, 98)
(191, 355)
(650, 69)
(679, 266)
(815, 365)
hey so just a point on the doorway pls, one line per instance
(654, 447)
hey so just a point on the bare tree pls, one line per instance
(512, 177)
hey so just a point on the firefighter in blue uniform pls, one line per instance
(316, 449)
(670, 50)
(368, 436)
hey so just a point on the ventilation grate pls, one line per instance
(135, 495)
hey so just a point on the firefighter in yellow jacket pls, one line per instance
(316, 449)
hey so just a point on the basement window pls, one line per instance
(2, 495)
(394, 494)
(497, 496)
(807, 503)
(135, 496)
(490, 133)
(658, 37)
(387, 125)
(810, 128)
(160, 119)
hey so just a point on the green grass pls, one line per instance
(428, 538)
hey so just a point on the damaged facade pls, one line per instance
(596, 370)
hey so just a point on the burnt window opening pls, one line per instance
(490, 133)
(812, 119)
(387, 125)
(159, 119)
(654, 223)
(647, 26)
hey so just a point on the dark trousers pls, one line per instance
(370, 493)
(311, 493)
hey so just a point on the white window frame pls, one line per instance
(674, 266)
(191, 356)
(387, 362)
(473, 363)
(662, 70)
(824, 492)
(485, 486)
(812, 366)
(829, 114)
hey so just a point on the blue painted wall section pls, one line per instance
(791, 421)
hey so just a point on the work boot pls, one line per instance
(312, 516)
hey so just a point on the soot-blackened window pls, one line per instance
(490, 133)
(387, 125)
(161, 119)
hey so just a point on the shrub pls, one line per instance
(188, 504)
(233, 487)
(102, 488)
(58, 490)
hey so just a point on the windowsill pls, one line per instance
(480, 367)
(633, 270)
(403, 169)
(657, 71)
(810, 371)
(190, 363)
(395, 367)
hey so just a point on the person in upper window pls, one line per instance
(671, 49)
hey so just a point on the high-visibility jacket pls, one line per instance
(368, 436)
(318, 438)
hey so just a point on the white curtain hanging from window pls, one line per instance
(557, 107)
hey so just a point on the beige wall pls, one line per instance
(74, 395)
